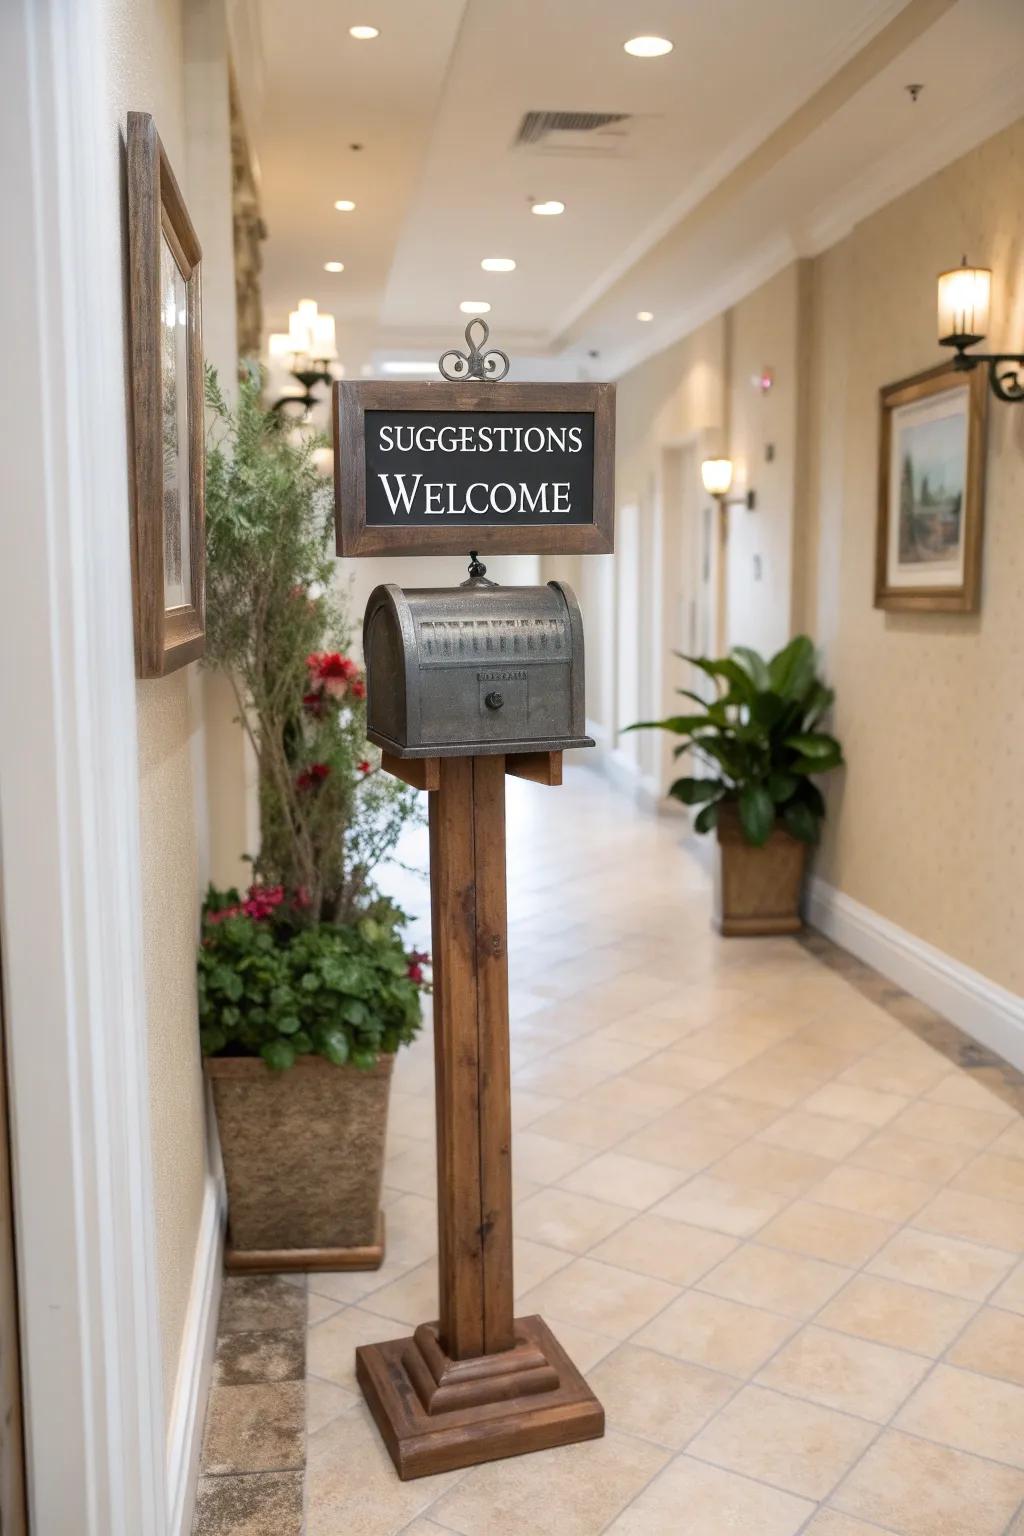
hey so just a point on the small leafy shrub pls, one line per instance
(271, 984)
(760, 739)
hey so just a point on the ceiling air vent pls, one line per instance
(575, 133)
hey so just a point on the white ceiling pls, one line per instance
(766, 132)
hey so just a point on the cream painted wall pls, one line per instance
(168, 57)
(926, 824)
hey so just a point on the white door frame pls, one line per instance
(69, 852)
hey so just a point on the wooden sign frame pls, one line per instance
(355, 537)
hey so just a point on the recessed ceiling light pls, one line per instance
(345, 205)
(644, 314)
(334, 266)
(498, 264)
(551, 207)
(648, 47)
(365, 33)
(475, 307)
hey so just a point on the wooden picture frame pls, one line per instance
(355, 536)
(931, 492)
(167, 430)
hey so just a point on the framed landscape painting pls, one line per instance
(168, 557)
(931, 487)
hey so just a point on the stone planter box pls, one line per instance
(304, 1162)
(757, 890)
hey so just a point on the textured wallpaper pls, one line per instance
(927, 821)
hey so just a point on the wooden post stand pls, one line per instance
(479, 1383)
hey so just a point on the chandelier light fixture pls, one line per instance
(311, 347)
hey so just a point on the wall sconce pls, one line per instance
(717, 477)
(964, 295)
(311, 345)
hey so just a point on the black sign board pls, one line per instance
(449, 467)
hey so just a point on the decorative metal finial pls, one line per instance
(477, 572)
(477, 363)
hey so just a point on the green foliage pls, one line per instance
(278, 629)
(760, 738)
(278, 987)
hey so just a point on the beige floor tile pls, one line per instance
(319, 1307)
(809, 1058)
(565, 1220)
(688, 1149)
(963, 1088)
(583, 1346)
(723, 1335)
(1000, 1178)
(1011, 1142)
(826, 1232)
(831, 1523)
(623, 1180)
(609, 1300)
(528, 1107)
(1010, 1294)
(659, 1398)
(774, 1169)
(947, 1264)
(570, 1492)
(413, 1171)
(892, 1312)
(918, 1489)
(411, 1299)
(669, 1250)
(910, 1157)
(974, 1413)
(870, 1380)
(768, 1085)
(791, 1444)
(713, 1110)
(887, 1076)
(680, 1070)
(736, 1209)
(872, 1193)
(845, 1101)
(801, 1131)
(781, 1282)
(544, 1158)
(996, 1223)
(324, 1401)
(331, 1346)
(351, 1485)
(716, 1503)
(659, 1032)
(533, 1262)
(646, 1100)
(951, 1123)
(993, 1345)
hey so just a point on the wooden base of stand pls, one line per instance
(435, 1414)
(276, 1261)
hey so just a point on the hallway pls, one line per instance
(772, 1206)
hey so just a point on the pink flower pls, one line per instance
(261, 900)
(417, 959)
(223, 914)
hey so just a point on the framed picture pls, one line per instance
(168, 558)
(931, 492)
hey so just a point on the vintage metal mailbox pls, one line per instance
(475, 669)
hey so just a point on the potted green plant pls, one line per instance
(760, 744)
(306, 989)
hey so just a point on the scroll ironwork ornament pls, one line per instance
(479, 362)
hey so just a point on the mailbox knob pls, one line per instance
(494, 700)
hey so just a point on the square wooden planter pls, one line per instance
(304, 1162)
(757, 890)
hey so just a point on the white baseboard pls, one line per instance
(195, 1363)
(989, 1013)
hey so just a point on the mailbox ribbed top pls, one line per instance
(489, 624)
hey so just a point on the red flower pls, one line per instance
(261, 900)
(312, 776)
(364, 766)
(416, 959)
(314, 702)
(333, 674)
(223, 914)
(359, 689)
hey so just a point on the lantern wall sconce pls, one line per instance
(717, 477)
(310, 344)
(964, 296)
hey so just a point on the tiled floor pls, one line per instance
(772, 1206)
